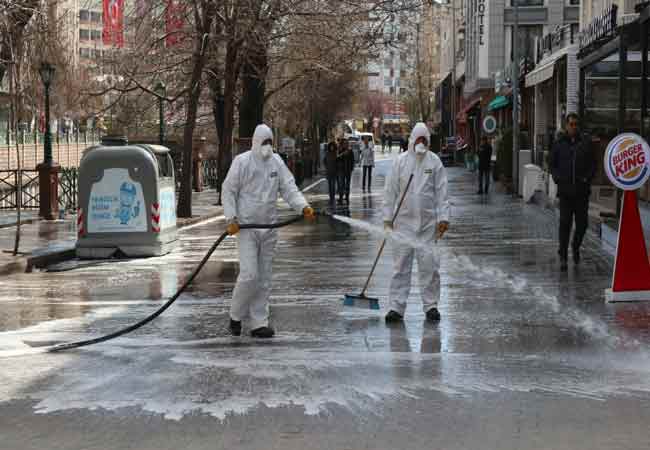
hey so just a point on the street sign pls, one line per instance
(490, 124)
(627, 161)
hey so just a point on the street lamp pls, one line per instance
(47, 76)
(48, 170)
(161, 91)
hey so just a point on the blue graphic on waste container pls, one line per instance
(116, 204)
(126, 211)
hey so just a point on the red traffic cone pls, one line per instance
(631, 281)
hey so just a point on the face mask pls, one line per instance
(420, 149)
(266, 151)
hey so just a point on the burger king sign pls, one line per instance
(627, 161)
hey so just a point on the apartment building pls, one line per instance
(489, 56)
(390, 72)
(452, 66)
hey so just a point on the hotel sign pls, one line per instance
(600, 28)
(482, 19)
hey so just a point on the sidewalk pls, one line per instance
(56, 239)
(603, 222)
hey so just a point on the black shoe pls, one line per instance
(433, 315)
(263, 332)
(479, 192)
(235, 327)
(363, 190)
(564, 265)
(576, 255)
(393, 317)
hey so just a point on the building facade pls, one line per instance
(390, 73)
(610, 80)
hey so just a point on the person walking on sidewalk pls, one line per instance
(250, 194)
(424, 216)
(367, 162)
(343, 170)
(573, 167)
(330, 170)
(484, 161)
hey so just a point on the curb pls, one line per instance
(27, 264)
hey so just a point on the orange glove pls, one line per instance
(441, 229)
(309, 213)
(233, 228)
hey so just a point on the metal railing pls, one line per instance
(9, 195)
(66, 148)
(210, 173)
(68, 188)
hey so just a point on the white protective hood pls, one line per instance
(261, 134)
(419, 130)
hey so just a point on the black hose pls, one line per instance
(168, 303)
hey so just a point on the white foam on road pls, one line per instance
(239, 380)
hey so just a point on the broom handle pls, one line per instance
(383, 243)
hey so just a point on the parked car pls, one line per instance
(370, 137)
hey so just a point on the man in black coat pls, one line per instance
(573, 167)
(344, 169)
(484, 161)
(348, 156)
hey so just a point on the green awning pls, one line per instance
(499, 102)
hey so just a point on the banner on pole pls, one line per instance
(113, 26)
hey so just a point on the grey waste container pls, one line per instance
(127, 201)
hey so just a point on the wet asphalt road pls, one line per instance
(524, 358)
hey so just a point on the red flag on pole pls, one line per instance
(113, 33)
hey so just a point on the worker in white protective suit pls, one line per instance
(423, 217)
(250, 195)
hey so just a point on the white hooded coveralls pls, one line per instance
(250, 193)
(426, 203)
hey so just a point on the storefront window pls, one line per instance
(601, 104)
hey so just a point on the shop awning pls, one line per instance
(462, 115)
(546, 67)
(499, 102)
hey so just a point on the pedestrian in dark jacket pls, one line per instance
(573, 167)
(341, 169)
(348, 156)
(404, 143)
(484, 161)
(389, 139)
(330, 169)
